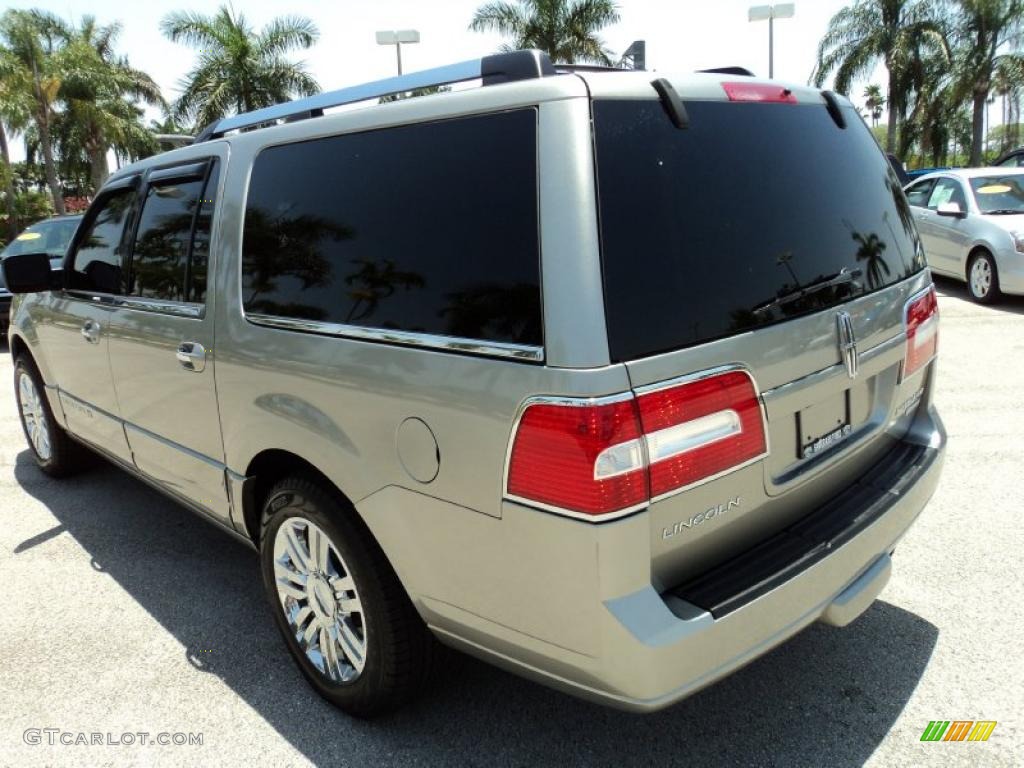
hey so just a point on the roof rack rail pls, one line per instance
(494, 69)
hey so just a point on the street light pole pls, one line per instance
(396, 38)
(770, 13)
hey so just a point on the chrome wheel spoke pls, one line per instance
(319, 547)
(342, 585)
(350, 605)
(351, 644)
(296, 549)
(329, 649)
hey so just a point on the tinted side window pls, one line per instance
(427, 228)
(97, 262)
(160, 255)
(918, 194)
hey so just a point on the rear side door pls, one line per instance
(162, 336)
(74, 325)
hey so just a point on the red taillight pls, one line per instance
(602, 458)
(762, 92)
(922, 321)
(700, 429)
(555, 456)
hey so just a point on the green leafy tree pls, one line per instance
(238, 69)
(987, 30)
(31, 39)
(566, 30)
(99, 92)
(15, 110)
(869, 31)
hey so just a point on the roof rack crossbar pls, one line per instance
(498, 68)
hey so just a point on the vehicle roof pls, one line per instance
(971, 173)
(595, 83)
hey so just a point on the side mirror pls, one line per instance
(951, 209)
(30, 273)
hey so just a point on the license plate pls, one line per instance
(824, 424)
(826, 441)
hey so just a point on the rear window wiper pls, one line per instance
(843, 277)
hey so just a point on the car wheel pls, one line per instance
(344, 616)
(983, 278)
(52, 448)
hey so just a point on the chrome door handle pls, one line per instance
(91, 331)
(192, 356)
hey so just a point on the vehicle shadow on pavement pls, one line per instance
(828, 697)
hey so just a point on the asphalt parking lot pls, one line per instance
(124, 614)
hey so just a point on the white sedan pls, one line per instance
(972, 227)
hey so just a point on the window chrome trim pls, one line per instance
(163, 307)
(501, 349)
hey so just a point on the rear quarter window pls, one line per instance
(428, 228)
(736, 221)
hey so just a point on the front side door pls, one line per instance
(75, 323)
(162, 337)
(951, 240)
(918, 195)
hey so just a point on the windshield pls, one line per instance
(752, 215)
(999, 194)
(51, 237)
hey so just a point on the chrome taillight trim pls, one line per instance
(906, 330)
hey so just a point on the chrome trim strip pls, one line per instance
(605, 518)
(406, 338)
(177, 308)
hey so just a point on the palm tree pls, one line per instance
(873, 102)
(566, 30)
(869, 31)
(31, 38)
(99, 91)
(15, 108)
(239, 70)
(985, 28)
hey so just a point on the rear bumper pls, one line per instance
(652, 649)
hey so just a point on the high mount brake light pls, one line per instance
(761, 92)
(921, 317)
(600, 459)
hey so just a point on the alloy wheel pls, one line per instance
(320, 600)
(981, 278)
(33, 416)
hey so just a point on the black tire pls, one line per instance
(66, 457)
(993, 293)
(401, 652)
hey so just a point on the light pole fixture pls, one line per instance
(771, 13)
(396, 38)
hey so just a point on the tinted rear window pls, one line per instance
(428, 228)
(735, 222)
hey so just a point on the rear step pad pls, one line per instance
(744, 578)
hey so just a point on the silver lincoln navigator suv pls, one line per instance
(592, 374)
